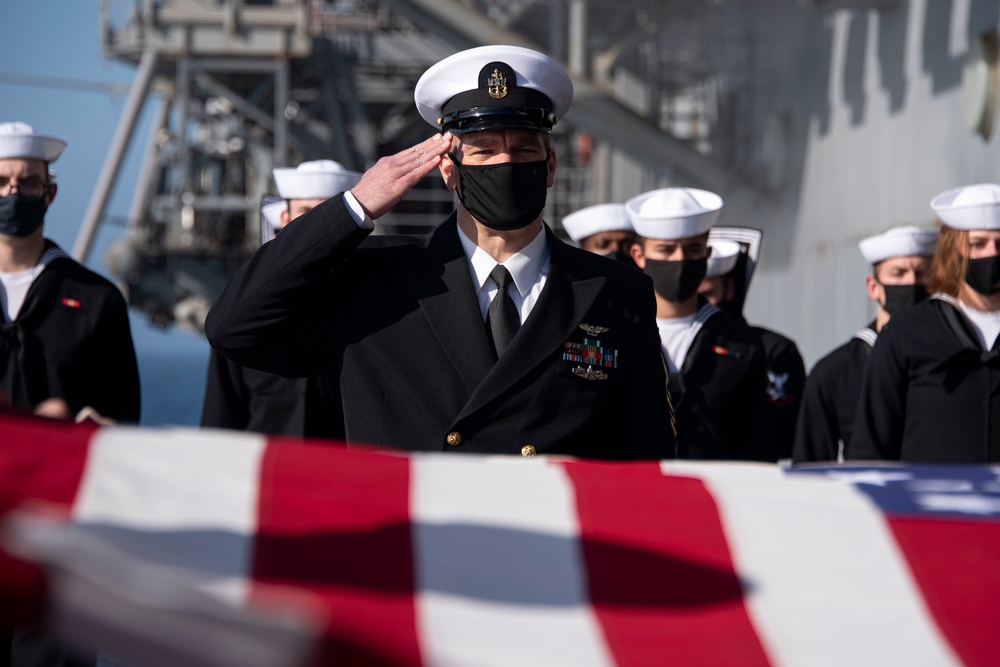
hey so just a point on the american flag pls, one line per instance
(180, 546)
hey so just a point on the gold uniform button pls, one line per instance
(528, 450)
(454, 439)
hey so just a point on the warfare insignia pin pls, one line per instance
(497, 85)
(591, 329)
(589, 373)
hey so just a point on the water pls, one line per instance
(172, 367)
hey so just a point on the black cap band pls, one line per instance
(498, 103)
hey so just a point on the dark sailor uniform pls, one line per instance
(931, 393)
(71, 340)
(786, 378)
(719, 395)
(245, 399)
(394, 322)
(830, 400)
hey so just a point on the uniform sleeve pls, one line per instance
(787, 368)
(817, 431)
(755, 412)
(268, 316)
(645, 428)
(226, 403)
(115, 389)
(878, 424)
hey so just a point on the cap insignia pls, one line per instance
(497, 85)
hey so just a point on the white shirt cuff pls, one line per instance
(357, 213)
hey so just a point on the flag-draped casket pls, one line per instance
(179, 546)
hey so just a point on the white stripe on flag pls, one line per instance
(824, 578)
(499, 569)
(182, 499)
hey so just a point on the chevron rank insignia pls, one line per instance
(591, 329)
(589, 373)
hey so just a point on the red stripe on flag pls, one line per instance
(336, 522)
(955, 565)
(42, 460)
(661, 579)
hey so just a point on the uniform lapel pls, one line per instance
(562, 305)
(443, 287)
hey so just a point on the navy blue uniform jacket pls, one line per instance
(394, 322)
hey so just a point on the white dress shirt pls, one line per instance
(529, 267)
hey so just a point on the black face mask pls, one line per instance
(898, 297)
(20, 216)
(504, 196)
(621, 256)
(676, 281)
(983, 275)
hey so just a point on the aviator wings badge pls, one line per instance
(589, 373)
(591, 329)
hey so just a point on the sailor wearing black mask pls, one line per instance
(490, 335)
(716, 364)
(603, 229)
(900, 259)
(930, 393)
(65, 342)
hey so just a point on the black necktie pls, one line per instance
(503, 317)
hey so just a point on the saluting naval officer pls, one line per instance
(716, 364)
(731, 265)
(603, 229)
(241, 398)
(900, 259)
(488, 335)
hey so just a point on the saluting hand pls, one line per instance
(393, 176)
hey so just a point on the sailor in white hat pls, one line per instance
(721, 261)
(489, 335)
(301, 189)
(83, 354)
(603, 229)
(929, 393)
(716, 364)
(735, 252)
(310, 184)
(900, 261)
(241, 398)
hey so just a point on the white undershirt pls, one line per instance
(987, 324)
(15, 289)
(676, 336)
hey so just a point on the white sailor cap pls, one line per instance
(969, 207)
(596, 219)
(900, 241)
(494, 87)
(270, 217)
(674, 213)
(723, 257)
(318, 179)
(19, 140)
(272, 213)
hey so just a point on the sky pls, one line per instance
(50, 59)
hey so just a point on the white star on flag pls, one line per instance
(972, 503)
(873, 477)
